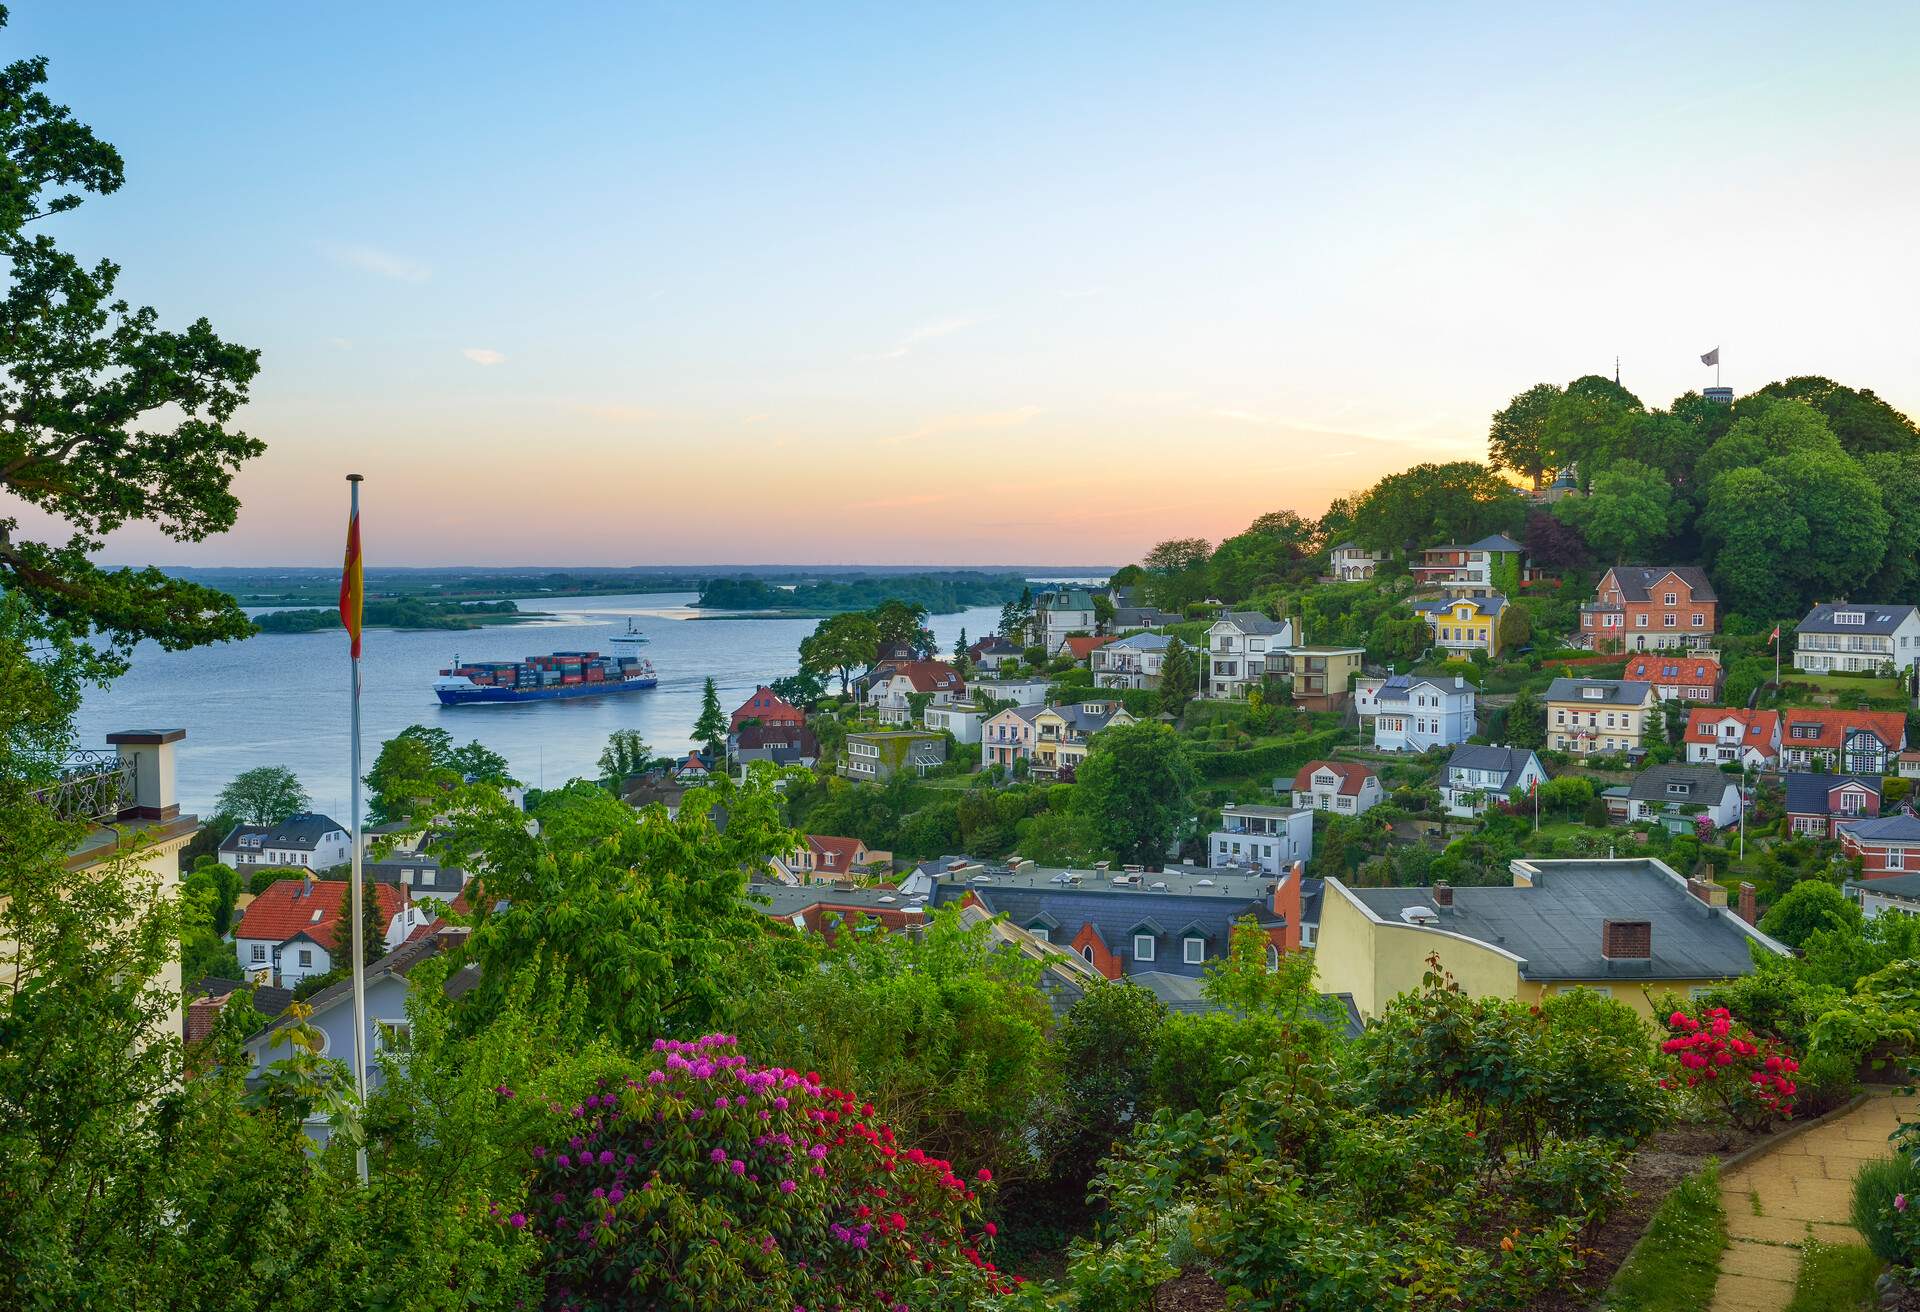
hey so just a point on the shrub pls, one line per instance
(703, 1181)
(1580, 1178)
(1746, 1079)
(1886, 1208)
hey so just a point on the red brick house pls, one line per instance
(1819, 804)
(770, 709)
(1849, 742)
(1887, 845)
(1676, 676)
(1650, 608)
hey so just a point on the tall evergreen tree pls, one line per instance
(711, 728)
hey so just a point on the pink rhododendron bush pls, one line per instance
(704, 1180)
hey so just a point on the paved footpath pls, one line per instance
(1803, 1187)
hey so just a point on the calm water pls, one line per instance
(281, 699)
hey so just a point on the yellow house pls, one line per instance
(1465, 624)
(1062, 735)
(1631, 929)
(1605, 716)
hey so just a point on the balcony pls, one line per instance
(90, 785)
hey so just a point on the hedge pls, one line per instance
(1277, 758)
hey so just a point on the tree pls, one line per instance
(1104, 1048)
(1627, 513)
(803, 689)
(1517, 439)
(1555, 544)
(626, 753)
(404, 772)
(1809, 906)
(1017, 616)
(1751, 530)
(1103, 612)
(373, 926)
(478, 763)
(901, 623)
(1134, 788)
(841, 644)
(1179, 676)
(1590, 424)
(1863, 422)
(264, 795)
(1430, 504)
(1176, 571)
(1526, 721)
(711, 728)
(1275, 548)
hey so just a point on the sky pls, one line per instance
(628, 284)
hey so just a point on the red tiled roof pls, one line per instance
(1081, 648)
(1703, 725)
(1353, 776)
(832, 854)
(929, 676)
(286, 909)
(1890, 727)
(1673, 671)
(768, 707)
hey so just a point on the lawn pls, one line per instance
(1848, 687)
(1834, 1278)
(1675, 1267)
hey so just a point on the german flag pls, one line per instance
(352, 586)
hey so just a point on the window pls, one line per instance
(1699, 620)
(1672, 600)
(306, 956)
(1039, 932)
(1670, 621)
(1195, 950)
(392, 1035)
(1143, 947)
(1087, 953)
(1273, 958)
(259, 952)
(1896, 858)
(1639, 621)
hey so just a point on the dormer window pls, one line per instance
(1593, 694)
(1143, 947)
(1194, 950)
(1678, 789)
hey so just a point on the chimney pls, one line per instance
(148, 756)
(1459, 681)
(1443, 897)
(1626, 940)
(1748, 912)
(1287, 904)
(306, 885)
(1712, 894)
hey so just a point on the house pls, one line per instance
(1079, 647)
(992, 654)
(1415, 713)
(1899, 894)
(1851, 742)
(961, 719)
(417, 875)
(1841, 636)
(1141, 617)
(1063, 734)
(830, 857)
(1130, 662)
(1021, 692)
(1650, 608)
(1684, 791)
(1886, 845)
(293, 928)
(1720, 737)
(1589, 716)
(877, 756)
(1494, 563)
(1629, 929)
(1321, 677)
(1677, 676)
(1349, 562)
(1338, 787)
(1238, 644)
(314, 842)
(387, 1027)
(1265, 838)
(891, 695)
(768, 709)
(1818, 803)
(825, 910)
(1061, 612)
(1462, 625)
(1909, 765)
(1008, 737)
(692, 768)
(1476, 776)
(780, 744)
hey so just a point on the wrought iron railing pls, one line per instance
(89, 785)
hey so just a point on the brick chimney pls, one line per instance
(1443, 897)
(1626, 940)
(1748, 912)
(148, 755)
(1714, 895)
(1286, 903)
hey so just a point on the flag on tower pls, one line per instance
(352, 585)
(1711, 357)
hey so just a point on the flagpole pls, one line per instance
(359, 916)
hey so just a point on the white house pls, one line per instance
(1476, 776)
(1676, 789)
(1336, 787)
(294, 928)
(1130, 662)
(1021, 692)
(313, 842)
(1267, 838)
(960, 719)
(1238, 644)
(1415, 713)
(1062, 612)
(1839, 636)
(1348, 562)
(1899, 894)
(891, 692)
(1724, 735)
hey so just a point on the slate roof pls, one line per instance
(1807, 793)
(401, 962)
(1902, 886)
(1495, 542)
(1067, 599)
(1614, 692)
(1081, 717)
(1890, 727)
(267, 1000)
(300, 833)
(1196, 882)
(1886, 829)
(286, 910)
(1705, 784)
(1116, 915)
(783, 902)
(1510, 761)
(1351, 774)
(1490, 606)
(1881, 618)
(1143, 642)
(1250, 621)
(1142, 617)
(1637, 582)
(1760, 727)
(429, 876)
(1555, 925)
(1399, 687)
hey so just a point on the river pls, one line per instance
(281, 698)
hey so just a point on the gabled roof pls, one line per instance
(1081, 648)
(1673, 670)
(1613, 692)
(1495, 542)
(1875, 617)
(835, 854)
(1142, 642)
(1760, 727)
(1890, 727)
(285, 910)
(399, 962)
(1509, 761)
(764, 705)
(1399, 687)
(1490, 606)
(1252, 622)
(753, 736)
(992, 644)
(301, 833)
(1705, 785)
(1352, 776)
(1066, 599)
(1808, 794)
(1637, 582)
(929, 676)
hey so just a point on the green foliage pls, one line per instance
(1179, 676)
(1834, 1278)
(1429, 504)
(373, 925)
(1889, 1234)
(840, 645)
(394, 613)
(803, 689)
(1627, 514)
(625, 754)
(1177, 573)
(710, 729)
(1133, 789)
(264, 795)
(1517, 438)
(418, 768)
(1276, 548)
(1104, 1049)
(1676, 1265)
(1273, 760)
(1808, 907)
(1526, 724)
(937, 593)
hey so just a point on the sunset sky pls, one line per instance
(617, 284)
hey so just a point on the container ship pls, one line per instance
(543, 678)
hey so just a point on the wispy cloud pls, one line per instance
(484, 355)
(926, 332)
(371, 259)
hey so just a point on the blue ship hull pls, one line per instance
(550, 692)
